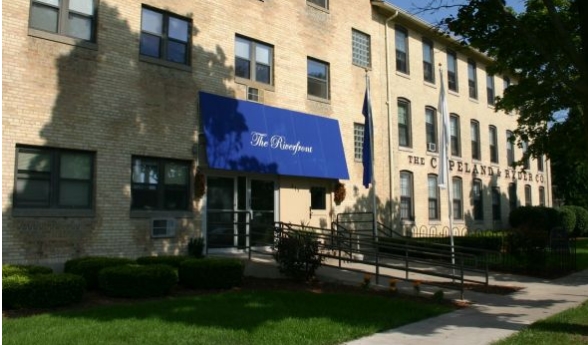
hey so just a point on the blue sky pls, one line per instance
(412, 7)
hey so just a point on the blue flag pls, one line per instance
(367, 142)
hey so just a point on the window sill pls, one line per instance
(164, 63)
(46, 212)
(255, 84)
(319, 99)
(160, 214)
(405, 148)
(62, 39)
(430, 84)
(365, 68)
(317, 7)
(403, 74)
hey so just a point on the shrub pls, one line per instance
(41, 290)
(533, 218)
(9, 270)
(89, 267)
(211, 273)
(567, 218)
(170, 260)
(298, 255)
(581, 228)
(137, 281)
(196, 247)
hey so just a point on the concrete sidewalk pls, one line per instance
(489, 318)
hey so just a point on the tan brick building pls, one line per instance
(116, 114)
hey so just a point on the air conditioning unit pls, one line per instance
(254, 94)
(163, 227)
(431, 147)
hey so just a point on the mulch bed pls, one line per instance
(94, 298)
(493, 289)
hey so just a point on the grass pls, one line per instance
(567, 327)
(236, 317)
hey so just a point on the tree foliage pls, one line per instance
(545, 49)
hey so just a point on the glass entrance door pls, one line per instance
(239, 209)
(262, 204)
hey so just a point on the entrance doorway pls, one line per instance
(240, 211)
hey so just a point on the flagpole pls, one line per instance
(371, 148)
(445, 181)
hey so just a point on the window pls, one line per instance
(253, 60)
(73, 18)
(510, 148)
(160, 184)
(321, 3)
(541, 196)
(475, 136)
(452, 83)
(477, 198)
(406, 195)
(433, 197)
(358, 135)
(454, 135)
(472, 79)
(53, 178)
(457, 198)
(165, 36)
(528, 200)
(401, 40)
(318, 78)
(492, 134)
(496, 215)
(540, 163)
(428, 61)
(506, 84)
(404, 137)
(431, 129)
(360, 43)
(512, 195)
(490, 88)
(318, 198)
(527, 161)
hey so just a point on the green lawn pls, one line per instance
(565, 328)
(237, 317)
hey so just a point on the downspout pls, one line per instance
(389, 112)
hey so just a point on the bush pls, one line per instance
(211, 273)
(534, 218)
(170, 260)
(137, 281)
(9, 270)
(581, 228)
(89, 267)
(567, 218)
(298, 255)
(196, 247)
(41, 290)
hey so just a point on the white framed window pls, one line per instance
(401, 40)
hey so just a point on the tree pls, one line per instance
(545, 49)
(570, 174)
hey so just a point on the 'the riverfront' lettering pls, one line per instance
(278, 142)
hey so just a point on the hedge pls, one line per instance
(9, 270)
(170, 260)
(567, 218)
(211, 273)
(137, 281)
(89, 267)
(581, 228)
(41, 290)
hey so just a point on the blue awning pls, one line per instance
(252, 137)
